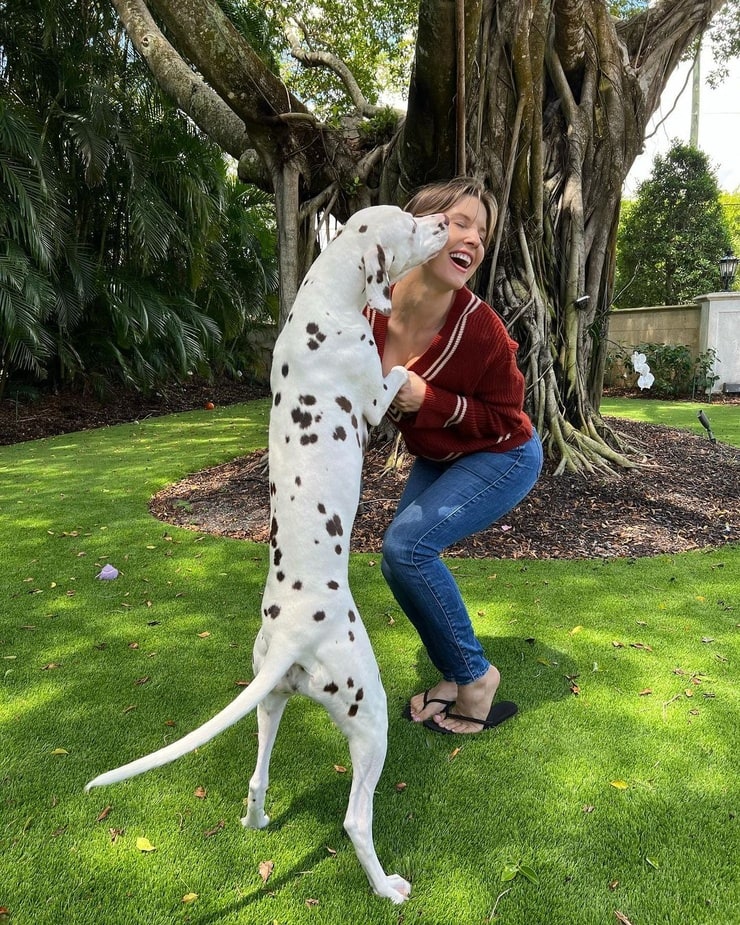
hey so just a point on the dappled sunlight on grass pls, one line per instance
(725, 418)
(622, 669)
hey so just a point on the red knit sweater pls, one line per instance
(475, 391)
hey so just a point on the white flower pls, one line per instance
(640, 366)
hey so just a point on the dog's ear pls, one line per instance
(377, 282)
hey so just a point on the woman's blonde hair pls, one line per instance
(440, 196)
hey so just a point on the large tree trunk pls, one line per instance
(554, 97)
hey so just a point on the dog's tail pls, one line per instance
(270, 673)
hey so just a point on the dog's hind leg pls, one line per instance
(269, 714)
(367, 746)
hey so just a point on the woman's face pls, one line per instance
(463, 253)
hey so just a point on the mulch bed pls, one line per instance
(684, 495)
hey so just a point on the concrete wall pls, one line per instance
(713, 322)
(720, 329)
(661, 324)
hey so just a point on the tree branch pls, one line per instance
(333, 63)
(209, 112)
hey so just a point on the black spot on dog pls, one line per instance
(380, 273)
(285, 370)
(309, 438)
(313, 344)
(350, 682)
(359, 695)
(307, 399)
(352, 616)
(273, 531)
(277, 557)
(280, 576)
(354, 421)
(362, 229)
(344, 403)
(312, 327)
(297, 585)
(334, 526)
(331, 688)
(298, 480)
(332, 585)
(319, 616)
(387, 292)
(351, 636)
(339, 433)
(276, 399)
(273, 611)
(338, 549)
(303, 419)
(273, 489)
(321, 509)
(352, 710)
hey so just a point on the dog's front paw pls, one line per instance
(395, 888)
(255, 819)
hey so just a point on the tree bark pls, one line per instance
(557, 98)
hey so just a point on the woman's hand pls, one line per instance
(410, 396)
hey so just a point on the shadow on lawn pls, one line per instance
(518, 659)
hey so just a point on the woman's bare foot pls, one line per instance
(428, 703)
(473, 700)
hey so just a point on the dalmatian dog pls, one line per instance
(327, 387)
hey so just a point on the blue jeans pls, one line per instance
(442, 504)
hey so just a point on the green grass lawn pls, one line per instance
(615, 789)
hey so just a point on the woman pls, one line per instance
(476, 452)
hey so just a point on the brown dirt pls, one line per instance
(684, 495)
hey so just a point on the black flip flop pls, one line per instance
(446, 704)
(500, 710)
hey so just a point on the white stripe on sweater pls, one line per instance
(454, 339)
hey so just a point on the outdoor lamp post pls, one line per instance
(727, 270)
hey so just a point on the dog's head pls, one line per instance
(397, 242)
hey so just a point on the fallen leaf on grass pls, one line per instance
(201, 793)
(652, 863)
(143, 680)
(641, 645)
(340, 769)
(204, 635)
(51, 666)
(266, 868)
(104, 814)
(621, 917)
(401, 786)
(454, 753)
(60, 751)
(115, 834)
(312, 902)
(144, 845)
(216, 828)
(613, 885)
(190, 897)
(619, 784)
(645, 692)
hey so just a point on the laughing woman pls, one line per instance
(477, 456)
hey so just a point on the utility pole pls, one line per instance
(695, 105)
